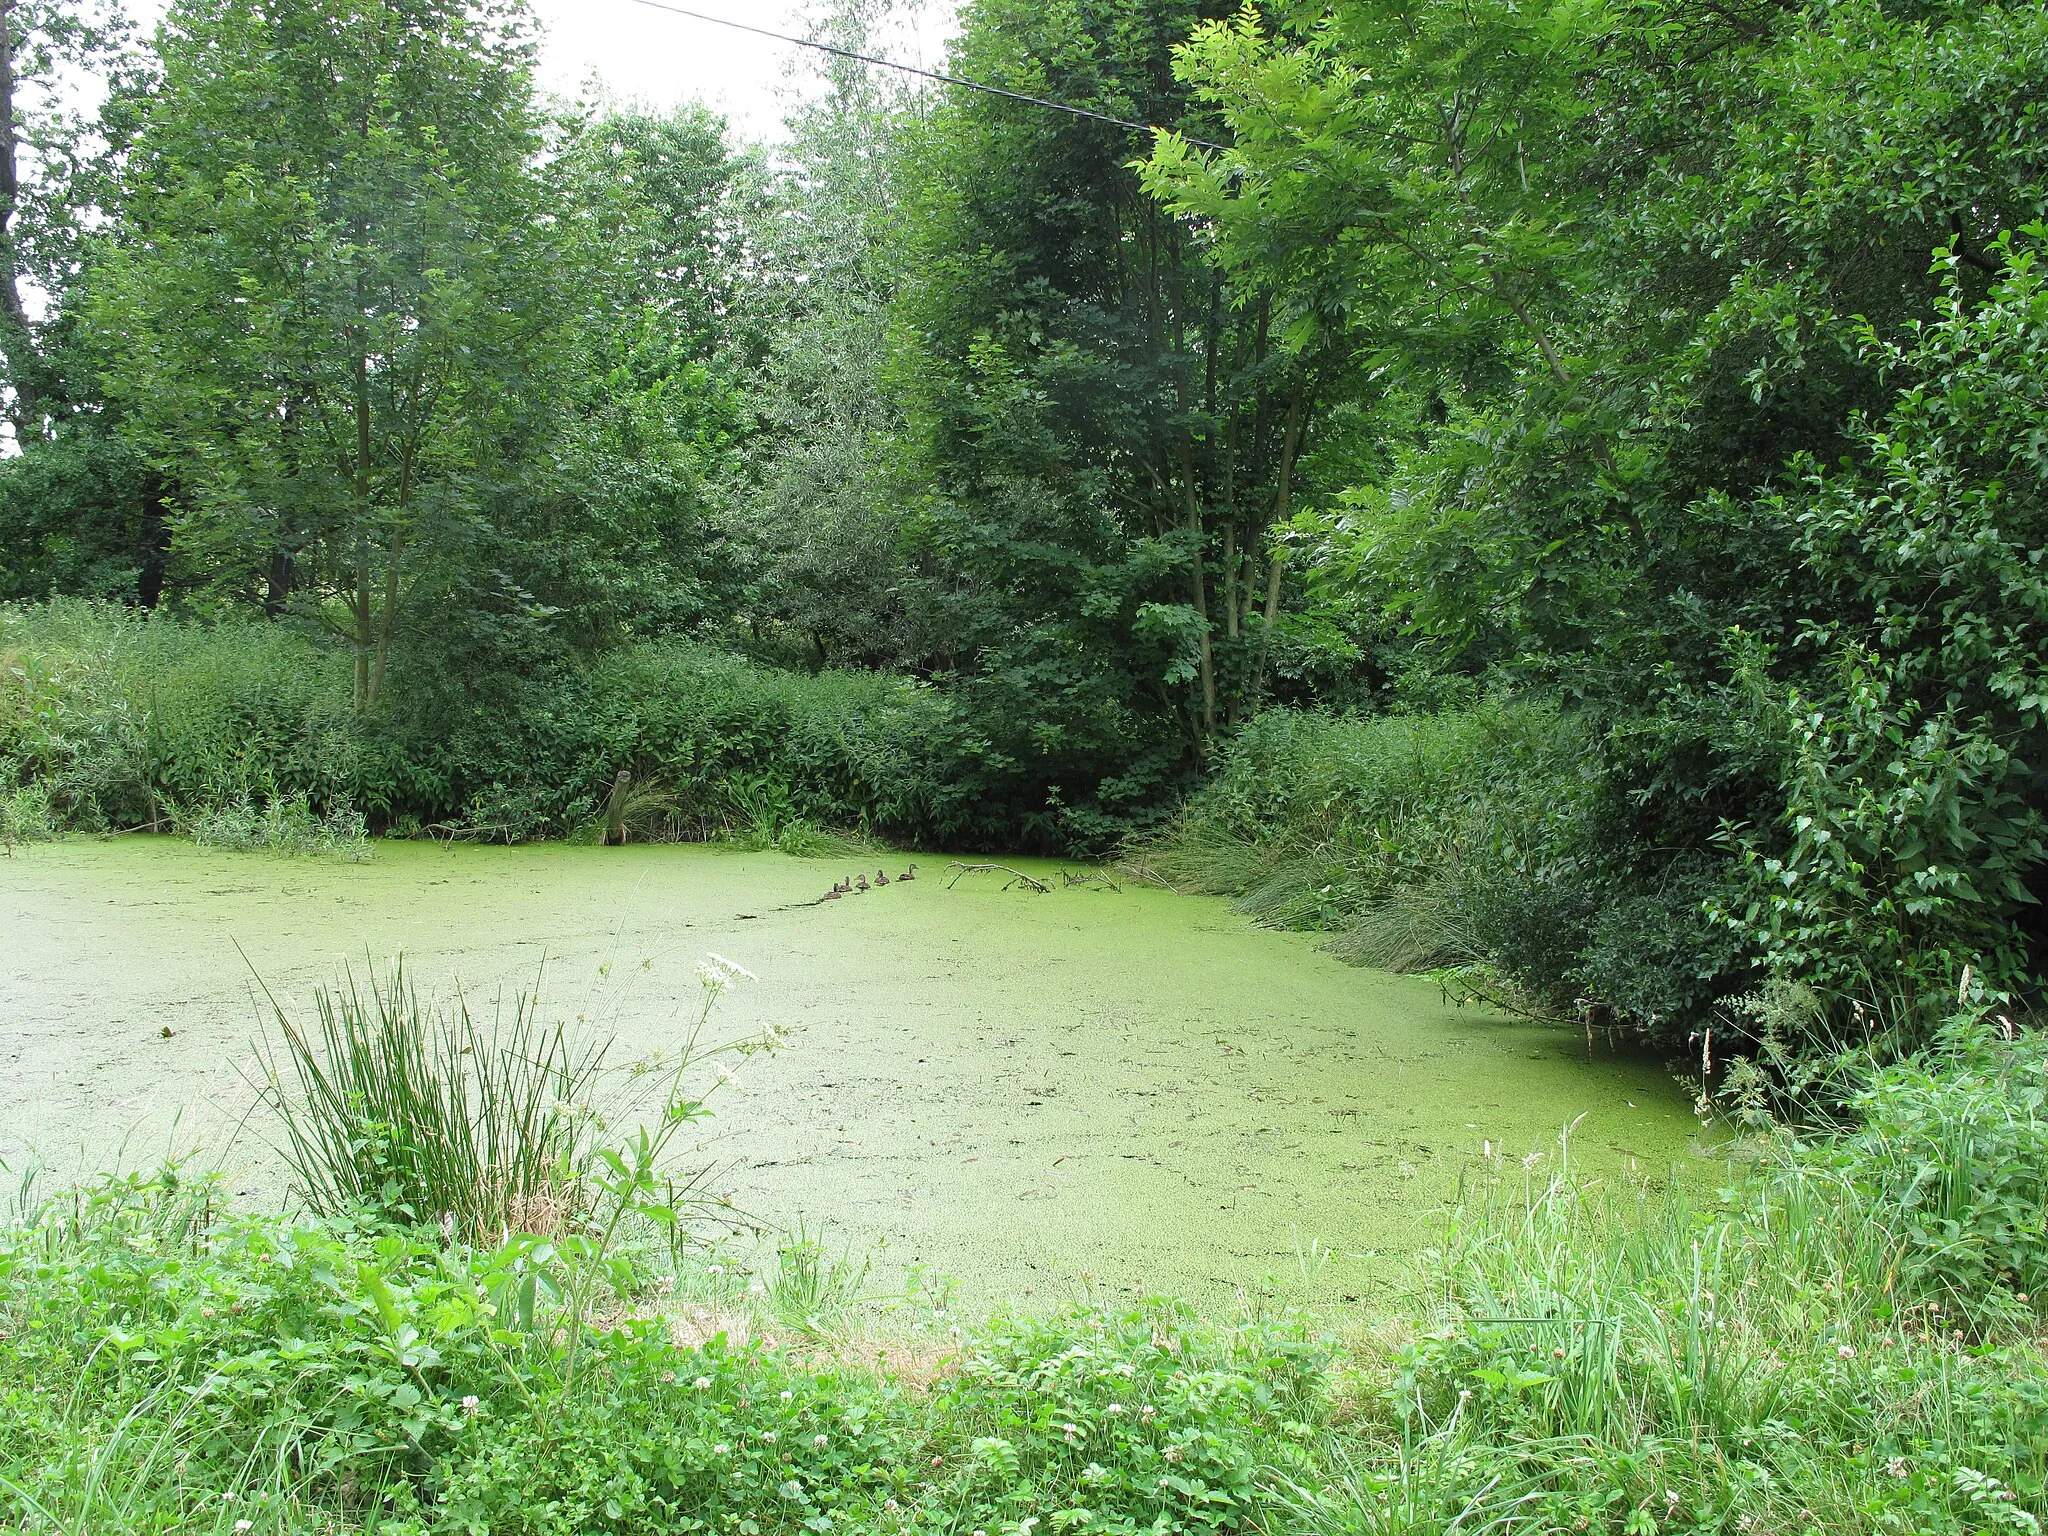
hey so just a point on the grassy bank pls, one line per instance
(453, 1336)
(1562, 1366)
(1485, 841)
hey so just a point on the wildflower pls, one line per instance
(702, 1383)
(470, 1404)
(1896, 1467)
(892, 1505)
(788, 1397)
(1148, 1413)
(1846, 1351)
(821, 1441)
(245, 1525)
(721, 1450)
(768, 1435)
(720, 972)
(1171, 1453)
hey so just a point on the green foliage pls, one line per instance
(391, 1109)
(1952, 1151)
(1147, 1421)
(1754, 1367)
(331, 1374)
(1695, 361)
(127, 721)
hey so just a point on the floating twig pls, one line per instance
(1017, 876)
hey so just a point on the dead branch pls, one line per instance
(1017, 876)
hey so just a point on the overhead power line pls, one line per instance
(923, 74)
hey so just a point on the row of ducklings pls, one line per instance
(859, 883)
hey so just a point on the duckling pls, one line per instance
(833, 895)
(881, 879)
(861, 884)
(908, 874)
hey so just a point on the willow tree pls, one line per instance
(329, 296)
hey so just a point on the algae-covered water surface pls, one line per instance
(1023, 1092)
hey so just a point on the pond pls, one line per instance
(1027, 1093)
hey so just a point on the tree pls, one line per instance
(327, 311)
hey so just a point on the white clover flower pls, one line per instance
(470, 1404)
(721, 1450)
(1846, 1351)
(789, 1397)
(245, 1525)
(821, 1441)
(702, 1383)
(768, 1435)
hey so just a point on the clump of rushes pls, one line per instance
(412, 1112)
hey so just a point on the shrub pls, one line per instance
(285, 824)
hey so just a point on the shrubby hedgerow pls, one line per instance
(129, 722)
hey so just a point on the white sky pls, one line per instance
(663, 59)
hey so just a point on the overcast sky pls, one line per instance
(663, 59)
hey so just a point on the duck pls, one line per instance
(861, 884)
(908, 874)
(881, 878)
(833, 895)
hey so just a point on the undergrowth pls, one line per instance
(244, 733)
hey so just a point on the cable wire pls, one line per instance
(926, 74)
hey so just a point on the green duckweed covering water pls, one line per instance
(1025, 1093)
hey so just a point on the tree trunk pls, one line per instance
(366, 635)
(1201, 582)
(24, 364)
(615, 809)
(1282, 498)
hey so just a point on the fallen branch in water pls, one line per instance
(1017, 876)
(1099, 877)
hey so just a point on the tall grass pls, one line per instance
(1585, 1359)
